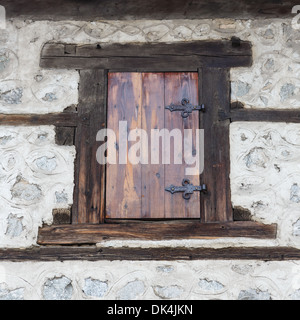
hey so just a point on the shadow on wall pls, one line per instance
(2, 18)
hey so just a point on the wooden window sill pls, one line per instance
(152, 230)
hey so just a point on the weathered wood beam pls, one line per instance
(216, 96)
(88, 201)
(144, 9)
(215, 48)
(91, 233)
(266, 115)
(181, 56)
(93, 253)
(67, 119)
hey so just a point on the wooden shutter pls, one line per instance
(138, 190)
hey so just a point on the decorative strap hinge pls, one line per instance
(186, 108)
(187, 188)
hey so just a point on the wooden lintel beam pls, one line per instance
(180, 56)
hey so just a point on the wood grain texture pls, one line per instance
(98, 172)
(213, 48)
(137, 190)
(123, 197)
(93, 253)
(261, 115)
(177, 87)
(91, 108)
(216, 97)
(160, 57)
(64, 119)
(65, 136)
(154, 230)
(153, 117)
(142, 9)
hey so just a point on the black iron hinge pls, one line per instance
(186, 107)
(187, 188)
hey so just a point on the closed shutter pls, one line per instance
(137, 190)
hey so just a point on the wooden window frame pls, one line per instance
(212, 60)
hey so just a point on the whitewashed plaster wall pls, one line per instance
(126, 280)
(36, 175)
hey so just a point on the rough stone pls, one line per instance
(95, 288)
(242, 269)
(24, 190)
(256, 158)
(296, 228)
(169, 292)
(295, 193)
(165, 269)
(14, 225)
(58, 288)
(252, 294)
(61, 197)
(264, 100)
(240, 88)
(12, 96)
(132, 290)
(6, 294)
(49, 96)
(5, 139)
(210, 285)
(42, 136)
(46, 164)
(4, 60)
(269, 64)
(269, 34)
(287, 91)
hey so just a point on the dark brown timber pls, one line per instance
(65, 136)
(89, 175)
(68, 119)
(185, 56)
(288, 116)
(93, 253)
(145, 9)
(92, 233)
(216, 96)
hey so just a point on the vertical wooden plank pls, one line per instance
(216, 97)
(177, 87)
(88, 173)
(153, 118)
(201, 126)
(123, 187)
(79, 209)
(96, 199)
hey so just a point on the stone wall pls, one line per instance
(126, 280)
(36, 175)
